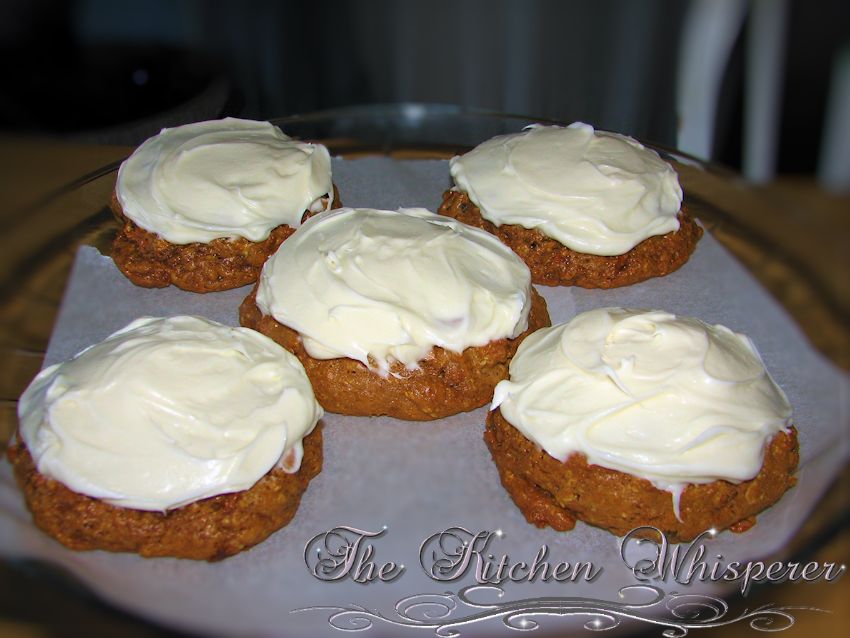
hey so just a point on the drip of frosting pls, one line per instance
(666, 398)
(169, 411)
(223, 178)
(595, 192)
(380, 286)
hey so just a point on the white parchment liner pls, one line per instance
(420, 478)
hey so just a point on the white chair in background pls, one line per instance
(708, 37)
(834, 160)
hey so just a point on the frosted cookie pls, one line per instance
(172, 437)
(581, 207)
(202, 206)
(625, 418)
(400, 313)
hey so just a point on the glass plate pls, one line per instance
(40, 247)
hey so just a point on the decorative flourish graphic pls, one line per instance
(676, 613)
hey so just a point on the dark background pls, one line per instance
(116, 71)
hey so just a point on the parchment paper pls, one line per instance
(421, 478)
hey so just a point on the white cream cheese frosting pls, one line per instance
(165, 412)
(223, 178)
(380, 286)
(666, 398)
(595, 192)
